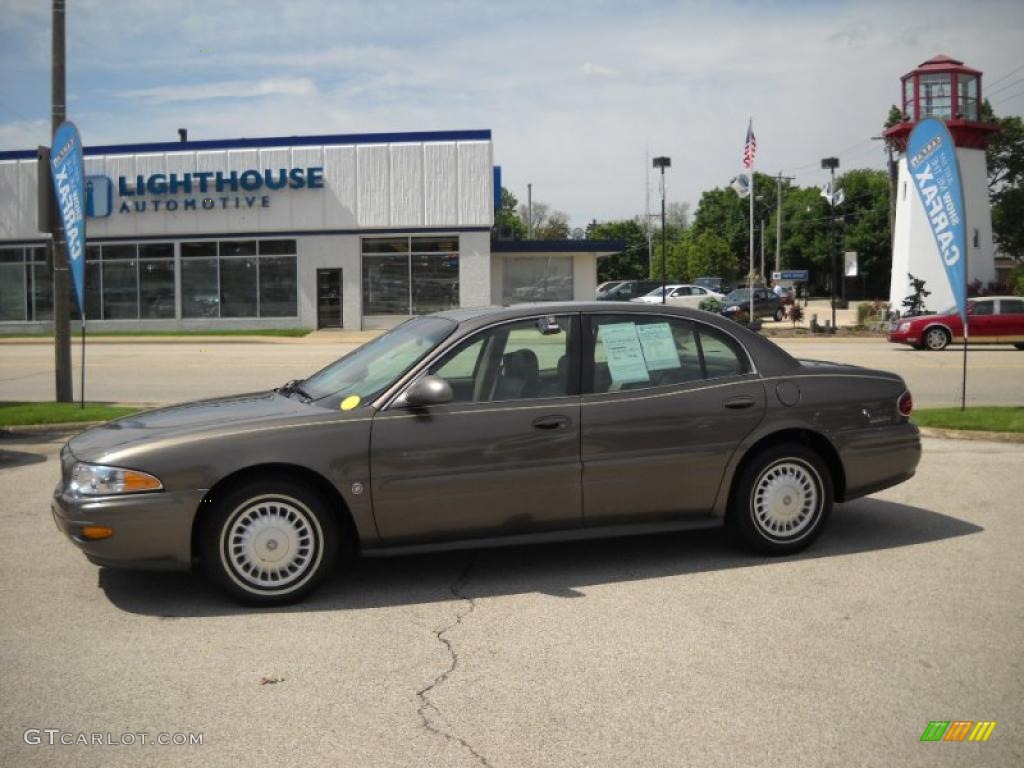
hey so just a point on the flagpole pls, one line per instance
(83, 361)
(750, 270)
(965, 318)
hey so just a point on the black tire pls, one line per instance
(779, 314)
(1019, 346)
(802, 486)
(261, 517)
(936, 338)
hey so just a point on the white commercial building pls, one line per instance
(354, 231)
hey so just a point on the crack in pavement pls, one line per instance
(423, 694)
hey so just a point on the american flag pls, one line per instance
(750, 148)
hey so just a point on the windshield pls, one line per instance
(373, 367)
(737, 296)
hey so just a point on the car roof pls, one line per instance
(769, 358)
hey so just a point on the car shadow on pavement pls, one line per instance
(11, 459)
(562, 569)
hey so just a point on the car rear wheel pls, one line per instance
(782, 499)
(1019, 346)
(269, 542)
(779, 314)
(936, 339)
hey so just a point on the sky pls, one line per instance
(579, 94)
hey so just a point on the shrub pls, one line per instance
(863, 312)
(795, 313)
(711, 304)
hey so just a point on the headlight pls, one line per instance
(903, 327)
(98, 480)
(733, 308)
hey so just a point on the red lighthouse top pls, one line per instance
(944, 88)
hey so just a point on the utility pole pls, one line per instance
(58, 247)
(529, 211)
(778, 218)
(893, 167)
(764, 223)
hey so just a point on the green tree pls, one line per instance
(507, 224)
(548, 224)
(865, 224)
(1005, 156)
(631, 262)
(709, 255)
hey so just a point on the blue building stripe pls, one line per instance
(273, 141)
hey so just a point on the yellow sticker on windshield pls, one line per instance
(349, 402)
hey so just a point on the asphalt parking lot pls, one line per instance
(656, 651)
(174, 372)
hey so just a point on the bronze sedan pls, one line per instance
(482, 426)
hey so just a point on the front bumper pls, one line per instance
(152, 531)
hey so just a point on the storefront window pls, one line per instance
(410, 275)
(156, 288)
(537, 278)
(278, 287)
(12, 287)
(120, 289)
(200, 294)
(238, 287)
(42, 291)
(93, 287)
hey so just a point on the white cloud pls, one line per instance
(232, 89)
(589, 68)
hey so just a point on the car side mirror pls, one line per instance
(429, 390)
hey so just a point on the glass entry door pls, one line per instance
(328, 298)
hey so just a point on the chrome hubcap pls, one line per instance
(786, 498)
(936, 339)
(271, 544)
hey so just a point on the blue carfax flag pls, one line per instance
(932, 163)
(68, 170)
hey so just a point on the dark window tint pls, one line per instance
(277, 248)
(42, 293)
(199, 295)
(93, 290)
(984, 308)
(238, 288)
(435, 244)
(120, 251)
(120, 289)
(385, 245)
(156, 251)
(278, 287)
(13, 292)
(195, 250)
(156, 289)
(238, 248)
(1011, 306)
(12, 255)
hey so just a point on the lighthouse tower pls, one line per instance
(943, 88)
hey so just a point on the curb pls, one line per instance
(16, 430)
(969, 434)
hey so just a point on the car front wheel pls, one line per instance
(779, 314)
(269, 542)
(936, 339)
(782, 499)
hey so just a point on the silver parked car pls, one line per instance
(478, 426)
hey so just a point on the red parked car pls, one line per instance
(990, 320)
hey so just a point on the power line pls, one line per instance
(1001, 88)
(1011, 97)
(1011, 72)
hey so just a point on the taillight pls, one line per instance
(905, 404)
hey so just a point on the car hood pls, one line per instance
(218, 414)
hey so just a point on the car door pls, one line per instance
(981, 321)
(1009, 321)
(666, 402)
(503, 456)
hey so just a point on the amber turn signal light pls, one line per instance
(96, 532)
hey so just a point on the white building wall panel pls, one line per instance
(476, 198)
(406, 185)
(240, 218)
(441, 184)
(307, 204)
(279, 215)
(181, 220)
(340, 196)
(373, 176)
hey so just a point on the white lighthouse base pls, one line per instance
(914, 249)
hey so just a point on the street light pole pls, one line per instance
(663, 163)
(830, 164)
(58, 258)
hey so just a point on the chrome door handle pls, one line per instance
(551, 422)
